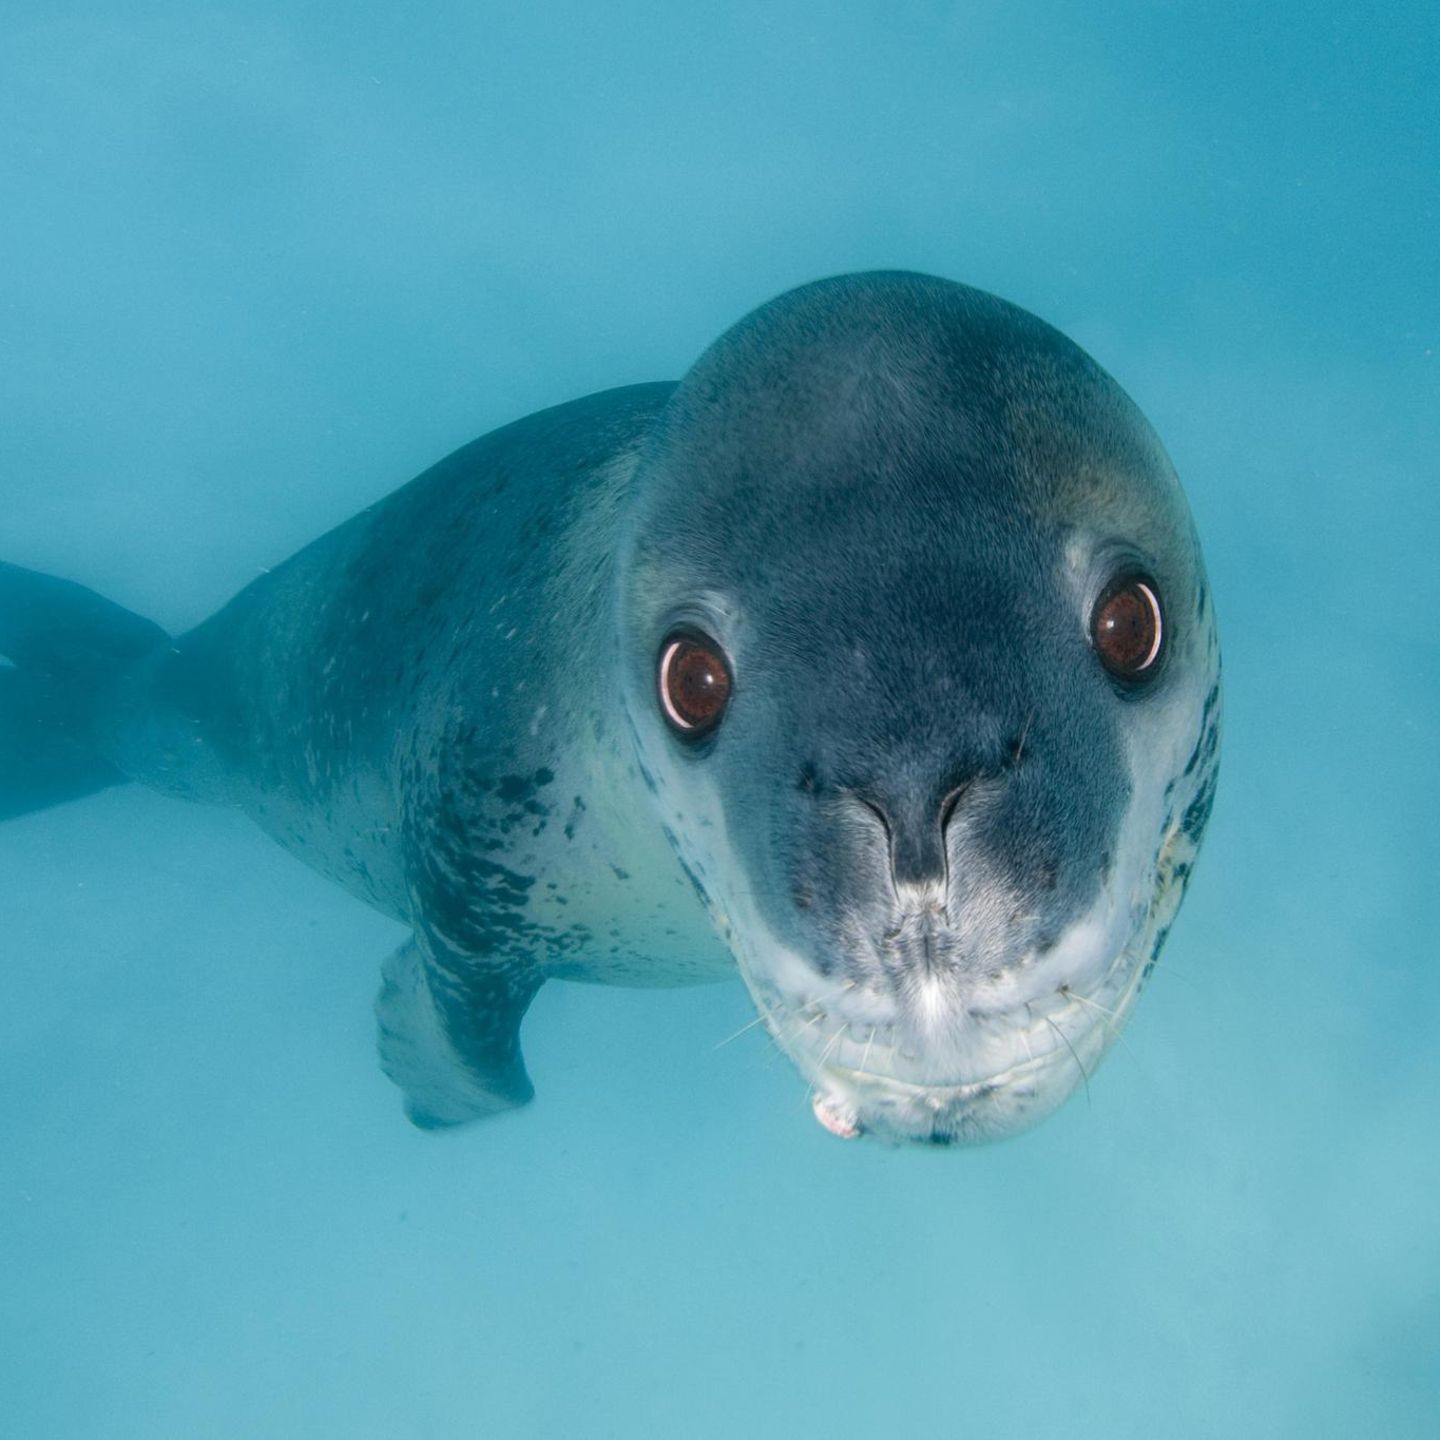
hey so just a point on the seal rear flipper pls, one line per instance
(63, 649)
(450, 1034)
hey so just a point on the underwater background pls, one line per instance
(260, 264)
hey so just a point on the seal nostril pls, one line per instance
(878, 813)
(951, 801)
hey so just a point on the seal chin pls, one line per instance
(936, 1068)
(851, 1103)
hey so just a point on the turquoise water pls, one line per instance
(259, 265)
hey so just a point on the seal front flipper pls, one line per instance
(450, 1033)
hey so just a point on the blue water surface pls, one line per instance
(260, 262)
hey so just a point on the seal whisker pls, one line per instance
(748, 1026)
(1070, 994)
(1112, 1022)
(818, 1001)
(865, 1058)
(1085, 1074)
(825, 1053)
(815, 1019)
(1025, 1039)
(1168, 968)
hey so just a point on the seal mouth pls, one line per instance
(959, 1077)
(857, 1102)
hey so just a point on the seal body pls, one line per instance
(423, 705)
(941, 842)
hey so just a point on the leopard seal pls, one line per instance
(874, 659)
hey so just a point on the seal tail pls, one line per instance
(62, 648)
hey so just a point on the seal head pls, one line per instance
(923, 678)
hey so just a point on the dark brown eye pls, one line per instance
(694, 684)
(1127, 629)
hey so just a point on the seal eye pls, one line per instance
(694, 684)
(1126, 629)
